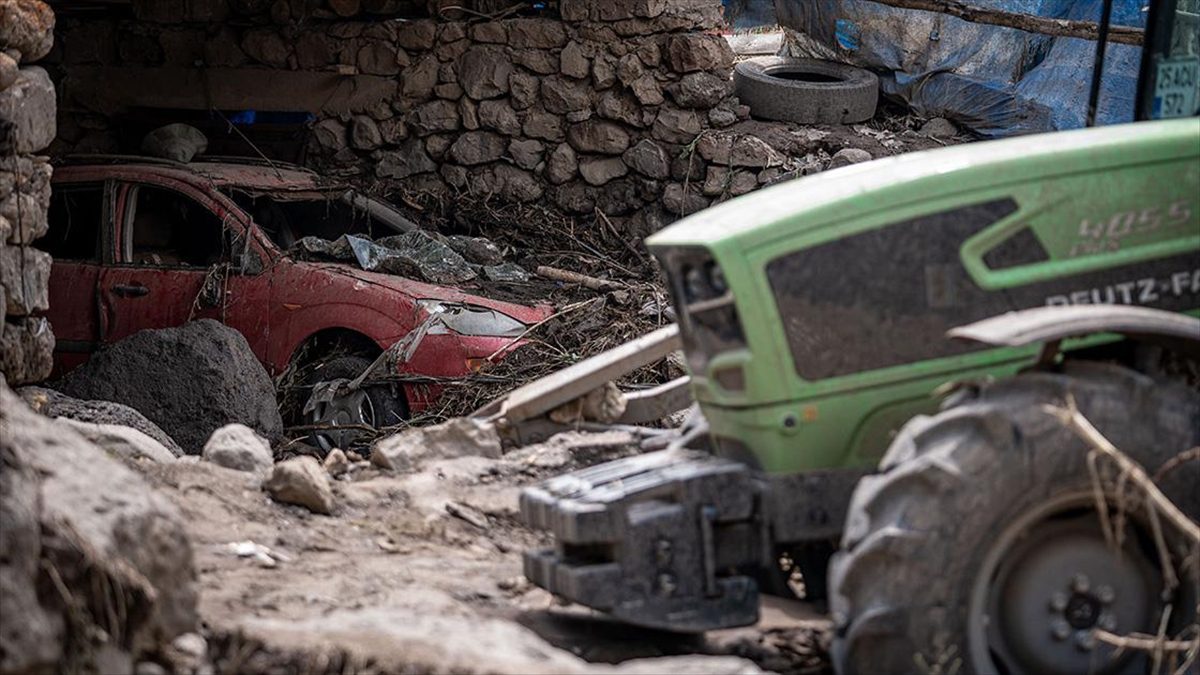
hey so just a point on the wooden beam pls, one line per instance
(1085, 30)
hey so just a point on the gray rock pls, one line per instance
(721, 180)
(236, 446)
(526, 153)
(67, 506)
(598, 136)
(483, 72)
(622, 107)
(536, 34)
(604, 75)
(435, 117)
(124, 442)
(677, 126)
(498, 115)
(543, 126)
(562, 95)
(336, 463)
(939, 127)
(26, 27)
(189, 380)
(648, 159)
(493, 32)
(30, 106)
(8, 71)
(416, 35)
(700, 90)
(55, 404)
(848, 156)
(515, 185)
(469, 111)
(563, 165)
(682, 201)
(694, 51)
(364, 133)
(409, 160)
(602, 170)
(537, 60)
(25, 278)
(573, 61)
(459, 437)
(523, 89)
(738, 150)
(418, 80)
(301, 481)
(378, 58)
(478, 147)
(647, 91)
(26, 349)
(330, 135)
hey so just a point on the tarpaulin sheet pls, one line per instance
(994, 80)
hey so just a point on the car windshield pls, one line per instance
(288, 217)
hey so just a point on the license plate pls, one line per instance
(1175, 88)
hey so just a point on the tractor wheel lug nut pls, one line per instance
(1080, 583)
(1106, 594)
(1060, 630)
(1058, 601)
(1108, 622)
(1084, 640)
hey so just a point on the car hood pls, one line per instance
(419, 290)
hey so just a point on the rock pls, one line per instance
(523, 89)
(515, 185)
(336, 463)
(54, 404)
(378, 58)
(25, 208)
(266, 46)
(544, 126)
(939, 127)
(26, 26)
(418, 80)
(67, 506)
(604, 75)
(364, 133)
(722, 116)
(30, 107)
(536, 34)
(237, 447)
(469, 111)
(578, 198)
(691, 52)
(563, 95)
(494, 32)
(648, 159)
(604, 404)
(563, 165)
(123, 442)
(682, 201)
(721, 180)
(677, 126)
(189, 380)
(738, 150)
(700, 90)
(537, 60)
(498, 115)
(647, 91)
(477, 250)
(483, 72)
(26, 349)
(848, 156)
(622, 107)
(601, 171)
(408, 160)
(449, 91)
(598, 136)
(527, 154)
(435, 117)
(25, 279)
(417, 35)
(573, 62)
(478, 147)
(301, 481)
(630, 69)
(615, 10)
(330, 135)
(459, 437)
(8, 71)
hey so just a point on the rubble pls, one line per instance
(78, 520)
(458, 437)
(236, 446)
(300, 481)
(848, 156)
(123, 442)
(336, 463)
(53, 404)
(189, 380)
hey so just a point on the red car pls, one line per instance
(139, 243)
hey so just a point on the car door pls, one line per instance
(173, 249)
(80, 217)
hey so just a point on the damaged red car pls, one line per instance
(141, 243)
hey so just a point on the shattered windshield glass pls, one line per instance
(288, 218)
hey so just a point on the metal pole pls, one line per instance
(1098, 68)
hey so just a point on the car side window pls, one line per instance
(169, 229)
(76, 214)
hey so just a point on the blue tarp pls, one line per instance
(994, 80)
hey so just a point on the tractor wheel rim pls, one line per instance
(1047, 582)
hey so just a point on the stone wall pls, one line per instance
(624, 106)
(27, 123)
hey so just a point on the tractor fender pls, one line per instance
(1052, 324)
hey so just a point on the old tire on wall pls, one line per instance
(992, 500)
(808, 91)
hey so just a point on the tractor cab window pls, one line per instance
(1170, 77)
(76, 214)
(167, 229)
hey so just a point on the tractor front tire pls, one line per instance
(978, 548)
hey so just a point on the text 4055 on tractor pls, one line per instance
(959, 528)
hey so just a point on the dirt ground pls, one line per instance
(421, 572)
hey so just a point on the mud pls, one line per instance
(421, 572)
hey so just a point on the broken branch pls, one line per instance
(1085, 30)
(1145, 643)
(569, 277)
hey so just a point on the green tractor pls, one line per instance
(842, 430)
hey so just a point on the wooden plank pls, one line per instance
(1086, 30)
(543, 395)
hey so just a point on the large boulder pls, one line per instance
(56, 404)
(189, 380)
(94, 562)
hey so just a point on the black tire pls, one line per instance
(923, 537)
(806, 91)
(387, 402)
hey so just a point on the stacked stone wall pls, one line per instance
(622, 106)
(27, 126)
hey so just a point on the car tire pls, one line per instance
(807, 91)
(979, 511)
(385, 402)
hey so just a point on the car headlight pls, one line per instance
(472, 320)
